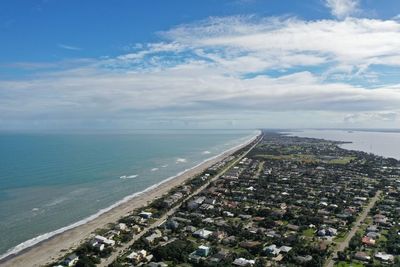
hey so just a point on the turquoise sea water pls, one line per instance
(50, 181)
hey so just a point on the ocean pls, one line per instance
(382, 143)
(51, 182)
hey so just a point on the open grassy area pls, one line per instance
(309, 232)
(342, 160)
(305, 158)
(383, 238)
(340, 237)
(298, 157)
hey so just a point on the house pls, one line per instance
(380, 219)
(243, 262)
(382, 256)
(293, 227)
(71, 260)
(372, 228)
(202, 233)
(203, 251)
(368, 241)
(373, 235)
(200, 254)
(229, 240)
(272, 249)
(249, 244)
(146, 215)
(104, 240)
(285, 249)
(136, 229)
(244, 216)
(122, 227)
(190, 229)
(210, 201)
(220, 256)
(327, 232)
(228, 214)
(112, 233)
(138, 256)
(157, 264)
(151, 238)
(98, 246)
(362, 256)
(278, 258)
(303, 259)
(219, 235)
(173, 199)
(172, 224)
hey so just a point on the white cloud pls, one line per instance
(69, 47)
(356, 42)
(343, 8)
(222, 69)
(371, 117)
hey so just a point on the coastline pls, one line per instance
(56, 244)
(378, 143)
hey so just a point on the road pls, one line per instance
(345, 243)
(120, 250)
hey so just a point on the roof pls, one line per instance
(242, 262)
(285, 249)
(203, 233)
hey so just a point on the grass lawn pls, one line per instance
(368, 220)
(340, 238)
(347, 264)
(383, 237)
(309, 232)
(342, 160)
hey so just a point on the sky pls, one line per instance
(130, 64)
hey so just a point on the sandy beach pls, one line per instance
(57, 246)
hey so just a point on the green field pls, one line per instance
(340, 238)
(342, 160)
(309, 232)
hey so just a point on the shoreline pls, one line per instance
(363, 141)
(57, 243)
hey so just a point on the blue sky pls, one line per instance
(204, 64)
(36, 30)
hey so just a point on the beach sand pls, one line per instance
(52, 249)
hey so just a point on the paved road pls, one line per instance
(120, 250)
(345, 243)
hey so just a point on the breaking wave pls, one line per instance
(34, 241)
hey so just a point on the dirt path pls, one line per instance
(344, 244)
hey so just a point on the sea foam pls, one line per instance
(181, 160)
(34, 241)
(128, 176)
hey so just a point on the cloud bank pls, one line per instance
(251, 70)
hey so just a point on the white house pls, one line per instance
(71, 260)
(243, 262)
(202, 233)
(105, 241)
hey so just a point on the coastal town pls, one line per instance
(280, 201)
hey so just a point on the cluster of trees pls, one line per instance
(177, 251)
(393, 241)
